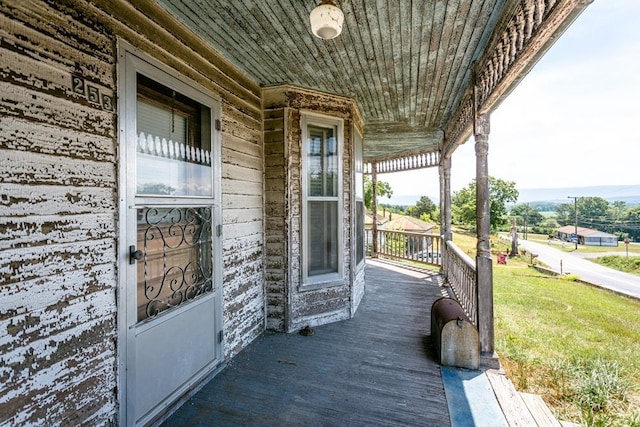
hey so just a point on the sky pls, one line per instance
(574, 119)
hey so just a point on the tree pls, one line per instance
(592, 212)
(549, 226)
(632, 220)
(526, 214)
(384, 189)
(565, 214)
(423, 207)
(500, 193)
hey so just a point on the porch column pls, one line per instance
(374, 208)
(484, 268)
(444, 170)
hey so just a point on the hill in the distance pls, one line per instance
(630, 194)
(611, 193)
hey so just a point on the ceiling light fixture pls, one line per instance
(326, 20)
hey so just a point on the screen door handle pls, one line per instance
(134, 255)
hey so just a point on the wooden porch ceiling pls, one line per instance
(407, 63)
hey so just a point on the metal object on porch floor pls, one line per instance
(307, 331)
(454, 337)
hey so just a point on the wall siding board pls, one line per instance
(22, 200)
(241, 173)
(241, 230)
(230, 128)
(22, 135)
(235, 118)
(235, 200)
(59, 209)
(18, 101)
(241, 215)
(27, 39)
(246, 253)
(238, 158)
(44, 169)
(47, 78)
(244, 312)
(53, 290)
(19, 265)
(239, 187)
(45, 230)
(232, 143)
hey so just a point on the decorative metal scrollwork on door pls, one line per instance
(177, 262)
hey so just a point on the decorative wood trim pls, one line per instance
(403, 163)
(529, 30)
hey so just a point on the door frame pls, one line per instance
(132, 60)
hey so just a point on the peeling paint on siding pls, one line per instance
(57, 221)
(289, 307)
(58, 205)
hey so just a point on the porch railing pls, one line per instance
(430, 249)
(460, 271)
(410, 246)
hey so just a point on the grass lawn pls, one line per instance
(576, 345)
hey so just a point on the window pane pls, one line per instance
(322, 245)
(359, 232)
(173, 147)
(177, 257)
(322, 161)
(359, 167)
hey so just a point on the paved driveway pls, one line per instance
(588, 271)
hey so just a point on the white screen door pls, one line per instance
(170, 178)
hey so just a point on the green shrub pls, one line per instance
(621, 263)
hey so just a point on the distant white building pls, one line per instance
(587, 236)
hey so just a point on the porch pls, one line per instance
(375, 369)
(260, 89)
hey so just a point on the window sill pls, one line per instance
(323, 283)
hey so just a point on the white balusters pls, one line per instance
(141, 143)
(149, 144)
(165, 148)
(157, 147)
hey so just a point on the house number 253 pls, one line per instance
(91, 93)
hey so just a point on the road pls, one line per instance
(588, 271)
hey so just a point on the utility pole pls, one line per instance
(575, 209)
(526, 217)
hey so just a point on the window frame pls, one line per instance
(358, 197)
(328, 279)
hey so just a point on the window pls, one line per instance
(359, 193)
(322, 200)
(173, 151)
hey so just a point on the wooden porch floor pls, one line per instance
(377, 369)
